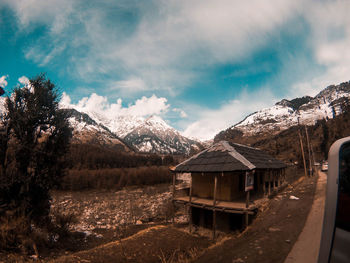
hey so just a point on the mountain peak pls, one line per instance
(296, 103)
(155, 120)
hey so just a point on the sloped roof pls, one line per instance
(224, 157)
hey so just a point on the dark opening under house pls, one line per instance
(228, 182)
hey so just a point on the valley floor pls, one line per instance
(268, 239)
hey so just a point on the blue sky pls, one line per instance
(201, 65)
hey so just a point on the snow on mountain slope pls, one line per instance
(156, 136)
(86, 130)
(306, 110)
(151, 134)
(128, 132)
(2, 105)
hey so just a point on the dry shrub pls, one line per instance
(178, 256)
(115, 178)
(14, 232)
(167, 211)
(17, 234)
(61, 223)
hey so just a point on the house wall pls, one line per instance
(227, 186)
(230, 186)
(237, 186)
(203, 185)
(224, 187)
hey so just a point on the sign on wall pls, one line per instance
(249, 181)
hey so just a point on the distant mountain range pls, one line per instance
(153, 135)
(88, 131)
(148, 135)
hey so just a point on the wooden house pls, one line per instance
(228, 182)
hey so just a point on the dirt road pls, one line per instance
(307, 246)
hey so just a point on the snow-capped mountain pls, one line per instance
(86, 130)
(119, 125)
(2, 105)
(152, 135)
(156, 136)
(306, 110)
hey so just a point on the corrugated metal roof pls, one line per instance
(224, 157)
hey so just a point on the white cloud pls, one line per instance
(329, 38)
(48, 12)
(170, 40)
(210, 122)
(100, 105)
(169, 43)
(3, 81)
(130, 85)
(66, 101)
(182, 113)
(23, 80)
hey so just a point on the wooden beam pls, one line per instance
(214, 203)
(226, 210)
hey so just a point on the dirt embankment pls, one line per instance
(273, 233)
(156, 244)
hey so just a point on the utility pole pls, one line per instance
(309, 151)
(302, 148)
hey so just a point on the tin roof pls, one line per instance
(225, 157)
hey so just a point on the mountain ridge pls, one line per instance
(284, 114)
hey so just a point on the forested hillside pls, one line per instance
(286, 144)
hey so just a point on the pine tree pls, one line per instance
(38, 136)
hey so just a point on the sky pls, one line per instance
(200, 65)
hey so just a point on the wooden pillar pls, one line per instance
(173, 212)
(214, 204)
(279, 180)
(190, 206)
(247, 206)
(174, 179)
(269, 191)
(264, 182)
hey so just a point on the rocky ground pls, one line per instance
(110, 209)
(102, 216)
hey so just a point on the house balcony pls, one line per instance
(237, 206)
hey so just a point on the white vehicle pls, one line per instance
(335, 240)
(324, 166)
